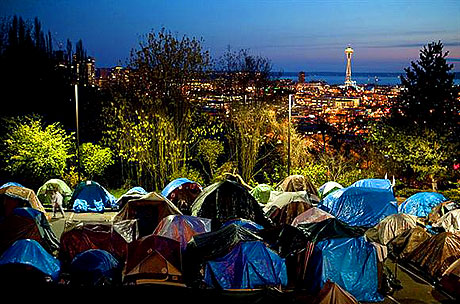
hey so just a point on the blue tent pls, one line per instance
(95, 267)
(31, 253)
(378, 183)
(352, 264)
(137, 190)
(249, 265)
(11, 184)
(173, 185)
(420, 204)
(358, 206)
(89, 196)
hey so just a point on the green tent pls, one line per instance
(44, 194)
(262, 193)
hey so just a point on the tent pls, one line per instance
(421, 203)
(95, 267)
(89, 196)
(249, 265)
(359, 206)
(312, 215)
(390, 227)
(352, 264)
(328, 229)
(331, 293)
(450, 221)
(261, 193)
(287, 213)
(402, 246)
(376, 183)
(227, 200)
(28, 253)
(133, 193)
(250, 225)
(327, 188)
(11, 184)
(148, 210)
(441, 209)
(437, 253)
(279, 199)
(44, 194)
(450, 280)
(12, 197)
(111, 237)
(182, 192)
(182, 228)
(153, 259)
(27, 223)
(294, 183)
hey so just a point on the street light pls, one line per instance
(291, 97)
(78, 131)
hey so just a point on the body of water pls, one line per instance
(332, 78)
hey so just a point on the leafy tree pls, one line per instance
(95, 159)
(35, 152)
(210, 150)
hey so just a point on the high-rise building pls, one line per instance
(301, 77)
(348, 52)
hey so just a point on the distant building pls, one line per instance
(301, 77)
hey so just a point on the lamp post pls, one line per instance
(78, 132)
(289, 136)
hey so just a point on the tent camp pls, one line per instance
(421, 203)
(249, 265)
(153, 259)
(95, 267)
(261, 193)
(27, 223)
(227, 200)
(390, 227)
(133, 193)
(327, 188)
(450, 221)
(312, 215)
(27, 262)
(437, 253)
(148, 210)
(182, 228)
(402, 246)
(44, 192)
(182, 192)
(89, 196)
(360, 206)
(294, 183)
(352, 264)
(12, 197)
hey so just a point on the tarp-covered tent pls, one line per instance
(402, 246)
(421, 203)
(297, 182)
(27, 223)
(376, 183)
(90, 196)
(95, 267)
(133, 193)
(28, 253)
(111, 237)
(226, 200)
(249, 265)
(12, 197)
(182, 192)
(437, 253)
(153, 259)
(11, 184)
(441, 209)
(327, 188)
(359, 206)
(331, 293)
(287, 213)
(352, 264)
(182, 228)
(329, 228)
(450, 221)
(148, 210)
(390, 227)
(450, 280)
(244, 223)
(261, 193)
(44, 192)
(312, 215)
(279, 199)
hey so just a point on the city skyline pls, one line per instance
(295, 35)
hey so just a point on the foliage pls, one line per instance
(210, 150)
(95, 159)
(35, 150)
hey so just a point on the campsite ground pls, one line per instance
(416, 290)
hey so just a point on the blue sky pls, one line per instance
(308, 35)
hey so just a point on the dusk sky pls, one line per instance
(294, 34)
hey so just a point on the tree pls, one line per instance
(95, 159)
(33, 151)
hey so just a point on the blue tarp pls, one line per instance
(352, 264)
(359, 206)
(89, 196)
(11, 184)
(30, 252)
(93, 267)
(175, 184)
(250, 225)
(249, 265)
(420, 204)
(378, 183)
(136, 190)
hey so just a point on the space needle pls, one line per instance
(348, 82)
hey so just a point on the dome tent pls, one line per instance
(133, 193)
(390, 227)
(421, 204)
(90, 196)
(12, 197)
(262, 192)
(95, 267)
(376, 183)
(44, 194)
(182, 192)
(327, 188)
